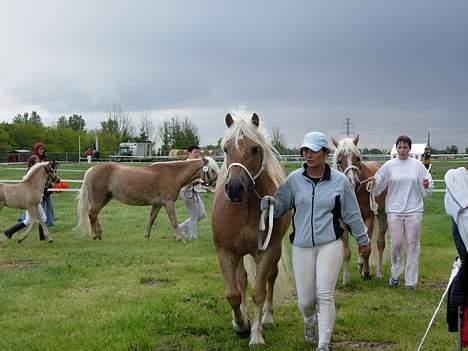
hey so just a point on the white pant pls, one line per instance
(196, 211)
(316, 271)
(41, 213)
(405, 232)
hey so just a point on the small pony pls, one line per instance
(156, 185)
(250, 170)
(27, 194)
(347, 159)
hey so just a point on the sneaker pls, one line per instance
(323, 347)
(393, 282)
(309, 330)
(410, 287)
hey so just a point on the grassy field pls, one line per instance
(124, 293)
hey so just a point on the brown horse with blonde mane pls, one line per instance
(347, 159)
(27, 194)
(250, 170)
(157, 185)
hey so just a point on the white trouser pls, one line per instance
(196, 211)
(405, 232)
(316, 271)
(41, 213)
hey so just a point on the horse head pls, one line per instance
(243, 159)
(210, 171)
(347, 159)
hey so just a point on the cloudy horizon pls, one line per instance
(392, 68)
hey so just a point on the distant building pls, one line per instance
(416, 151)
(19, 155)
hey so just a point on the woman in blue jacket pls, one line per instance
(321, 198)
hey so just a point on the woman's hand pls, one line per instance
(425, 183)
(364, 250)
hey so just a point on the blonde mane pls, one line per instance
(244, 128)
(34, 169)
(346, 148)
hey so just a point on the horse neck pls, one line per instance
(37, 180)
(265, 185)
(188, 171)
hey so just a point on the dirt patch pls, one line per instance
(18, 264)
(151, 281)
(363, 345)
(433, 285)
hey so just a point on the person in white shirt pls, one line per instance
(407, 182)
(192, 201)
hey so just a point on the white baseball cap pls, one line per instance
(315, 141)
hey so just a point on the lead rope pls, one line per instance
(374, 206)
(263, 246)
(455, 268)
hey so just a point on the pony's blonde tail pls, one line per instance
(84, 225)
(284, 285)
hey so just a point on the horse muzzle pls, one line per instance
(235, 191)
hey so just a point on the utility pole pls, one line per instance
(429, 138)
(348, 125)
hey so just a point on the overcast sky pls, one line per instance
(392, 67)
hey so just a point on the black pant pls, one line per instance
(458, 291)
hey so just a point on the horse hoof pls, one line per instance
(242, 333)
(367, 276)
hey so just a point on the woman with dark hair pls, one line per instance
(321, 198)
(407, 182)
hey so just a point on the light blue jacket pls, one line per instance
(319, 207)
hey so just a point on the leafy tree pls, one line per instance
(147, 129)
(452, 149)
(278, 140)
(34, 118)
(4, 138)
(176, 134)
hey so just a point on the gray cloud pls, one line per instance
(391, 67)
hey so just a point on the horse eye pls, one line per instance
(225, 150)
(255, 150)
(338, 162)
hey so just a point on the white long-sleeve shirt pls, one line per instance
(403, 180)
(456, 199)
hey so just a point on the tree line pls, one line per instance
(28, 128)
(173, 133)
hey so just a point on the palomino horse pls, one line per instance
(347, 159)
(156, 185)
(250, 170)
(27, 194)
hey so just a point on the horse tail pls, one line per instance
(84, 224)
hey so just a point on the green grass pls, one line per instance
(124, 293)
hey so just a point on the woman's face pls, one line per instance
(403, 150)
(314, 159)
(40, 150)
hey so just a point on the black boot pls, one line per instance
(18, 226)
(41, 233)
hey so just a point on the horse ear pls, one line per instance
(255, 119)
(229, 120)
(356, 139)
(334, 142)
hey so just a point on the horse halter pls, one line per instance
(206, 174)
(350, 168)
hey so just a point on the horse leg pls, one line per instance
(382, 220)
(241, 276)
(264, 267)
(267, 319)
(346, 257)
(96, 231)
(153, 214)
(363, 261)
(229, 265)
(170, 210)
(32, 217)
